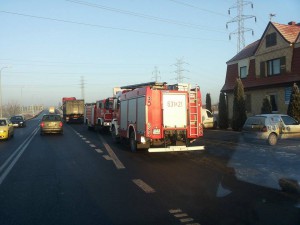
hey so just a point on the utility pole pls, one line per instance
(239, 19)
(1, 110)
(156, 73)
(82, 87)
(179, 70)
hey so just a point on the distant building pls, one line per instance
(267, 67)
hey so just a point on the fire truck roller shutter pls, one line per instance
(132, 110)
(123, 115)
(141, 120)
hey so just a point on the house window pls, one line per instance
(274, 103)
(271, 40)
(273, 67)
(243, 72)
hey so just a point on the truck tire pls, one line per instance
(132, 142)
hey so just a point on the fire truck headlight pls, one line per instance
(156, 131)
(143, 139)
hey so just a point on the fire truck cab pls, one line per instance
(98, 115)
(158, 117)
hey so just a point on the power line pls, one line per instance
(144, 16)
(64, 63)
(198, 8)
(104, 27)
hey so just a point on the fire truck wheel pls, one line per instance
(188, 142)
(132, 142)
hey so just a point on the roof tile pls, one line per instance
(289, 32)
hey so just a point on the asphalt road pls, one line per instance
(82, 177)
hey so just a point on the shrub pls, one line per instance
(208, 102)
(266, 106)
(294, 104)
(239, 108)
(223, 112)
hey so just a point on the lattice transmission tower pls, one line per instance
(82, 83)
(179, 70)
(156, 73)
(239, 19)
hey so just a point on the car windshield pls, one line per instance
(289, 120)
(3, 123)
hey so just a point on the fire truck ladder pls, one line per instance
(193, 111)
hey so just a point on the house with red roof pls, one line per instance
(267, 67)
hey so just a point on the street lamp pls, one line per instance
(1, 90)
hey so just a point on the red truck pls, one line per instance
(98, 115)
(158, 117)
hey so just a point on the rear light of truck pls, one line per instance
(61, 124)
(42, 124)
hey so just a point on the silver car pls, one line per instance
(271, 127)
(51, 123)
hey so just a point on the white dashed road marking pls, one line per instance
(185, 220)
(145, 187)
(183, 217)
(98, 150)
(172, 211)
(111, 153)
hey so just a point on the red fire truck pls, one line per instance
(98, 115)
(158, 116)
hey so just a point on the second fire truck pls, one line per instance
(98, 115)
(158, 117)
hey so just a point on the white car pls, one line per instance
(271, 127)
(208, 119)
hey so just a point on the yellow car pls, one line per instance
(6, 129)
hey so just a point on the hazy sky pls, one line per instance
(50, 45)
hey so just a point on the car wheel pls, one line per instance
(272, 139)
(132, 142)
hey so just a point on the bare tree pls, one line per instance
(12, 108)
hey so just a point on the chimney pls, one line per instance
(292, 23)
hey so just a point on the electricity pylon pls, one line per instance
(239, 19)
